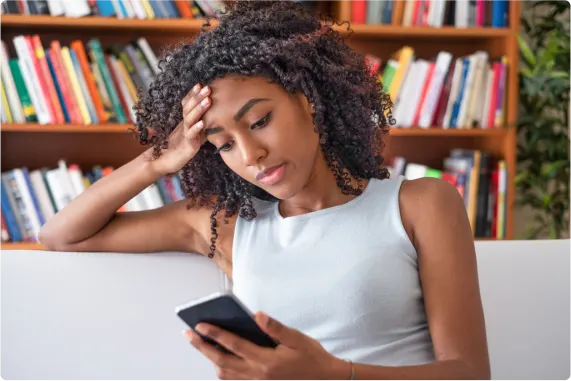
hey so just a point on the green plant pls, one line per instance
(543, 124)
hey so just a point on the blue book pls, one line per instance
(33, 196)
(105, 8)
(9, 216)
(461, 91)
(83, 86)
(171, 9)
(499, 14)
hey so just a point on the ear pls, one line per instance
(306, 105)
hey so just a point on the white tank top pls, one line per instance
(346, 276)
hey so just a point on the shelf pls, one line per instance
(75, 128)
(424, 32)
(124, 128)
(448, 132)
(185, 26)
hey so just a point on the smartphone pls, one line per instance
(224, 310)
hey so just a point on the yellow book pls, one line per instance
(86, 182)
(76, 88)
(473, 192)
(499, 118)
(127, 79)
(404, 57)
(5, 106)
(148, 9)
(501, 203)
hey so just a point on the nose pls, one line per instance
(252, 151)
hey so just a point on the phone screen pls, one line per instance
(226, 312)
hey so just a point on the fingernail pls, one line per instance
(204, 90)
(199, 125)
(205, 102)
(201, 329)
(196, 88)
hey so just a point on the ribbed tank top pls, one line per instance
(346, 276)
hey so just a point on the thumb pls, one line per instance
(282, 334)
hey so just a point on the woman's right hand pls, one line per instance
(187, 138)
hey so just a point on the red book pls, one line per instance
(5, 233)
(424, 90)
(47, 77)
(65, 83)
(358, 11)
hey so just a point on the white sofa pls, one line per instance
(111, 316)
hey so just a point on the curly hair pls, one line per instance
(296, 48)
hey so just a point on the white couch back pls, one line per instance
(111, 316)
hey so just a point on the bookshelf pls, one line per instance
(35, 145)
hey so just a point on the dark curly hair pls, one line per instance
(296, 48)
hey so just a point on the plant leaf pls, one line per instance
(526, 51)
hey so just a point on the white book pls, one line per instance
(408, 11)
(422, 67)
(76, 179)
(476, 62)
(406, 87)
(129, 9)
(439, 73)
(10, 86)
(60, 194)
(27, 199)
(42, 194)
(65, 179)
(56, 7)
(149, 54)
(117, 8)
(414, 171)
(32, 80)
(489, 89)
(477, 91)
(139, 9)
(76, 8)
(462, 12)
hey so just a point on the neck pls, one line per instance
(320, 192)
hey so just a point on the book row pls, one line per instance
(444, 91)
(431, 13)
(121, 9)
(79, 84)
(29, 198)
(479, 179)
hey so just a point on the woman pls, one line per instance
(279, 142)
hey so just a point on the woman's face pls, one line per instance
(262, 133)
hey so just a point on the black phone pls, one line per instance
(224, 310)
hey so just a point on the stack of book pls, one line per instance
(29, 199)
(122, 9)
(460, 14)
(480, 181)
(62, 85)
(445, 92)
(431, 13)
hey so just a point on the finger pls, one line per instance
(195, 100)
(282, 334)
(196, 113)
(191, 93)
(237, 345)
(225, 374)
(195, 132)
(219, 358)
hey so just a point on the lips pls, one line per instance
(271, 175)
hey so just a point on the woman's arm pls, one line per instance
(435, 217)
(90, 222)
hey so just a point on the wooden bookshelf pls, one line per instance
(35, 146)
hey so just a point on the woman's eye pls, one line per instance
(262, 122)
(225, 147)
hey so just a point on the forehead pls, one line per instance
(234, 91)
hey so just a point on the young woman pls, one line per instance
(277, 127)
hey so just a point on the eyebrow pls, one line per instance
(239, 115)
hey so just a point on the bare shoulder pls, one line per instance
(428, 204)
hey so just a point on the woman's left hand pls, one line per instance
(296, 357)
